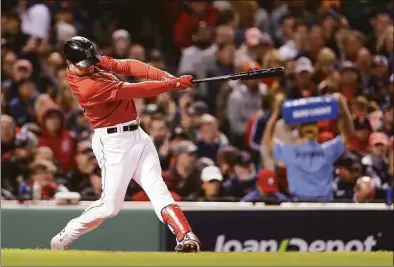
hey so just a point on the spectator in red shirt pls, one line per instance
(196, 12)
(359, 142)
(55, 136)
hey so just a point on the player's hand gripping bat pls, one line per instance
(248, 75)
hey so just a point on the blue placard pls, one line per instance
(312, 109)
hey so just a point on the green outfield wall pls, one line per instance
(131, 230)
(220, 227)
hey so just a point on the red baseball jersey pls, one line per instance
(106, 99)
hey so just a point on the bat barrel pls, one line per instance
(253, 74)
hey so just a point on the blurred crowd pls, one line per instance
(209, 140)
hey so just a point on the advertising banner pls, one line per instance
(300, 230)
(312, 109)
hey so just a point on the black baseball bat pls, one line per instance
(248, 75)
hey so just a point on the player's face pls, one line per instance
(85, 71)
(81, 71)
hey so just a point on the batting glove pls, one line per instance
(186, 82)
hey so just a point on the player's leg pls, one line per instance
(148, 176)
(113, 155)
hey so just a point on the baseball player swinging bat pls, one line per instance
(123, 150)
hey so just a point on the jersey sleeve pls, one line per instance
(141, 90)
(106, 90)
(131, 67)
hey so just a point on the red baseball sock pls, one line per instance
(175, 219)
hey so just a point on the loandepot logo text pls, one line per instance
(293, 244)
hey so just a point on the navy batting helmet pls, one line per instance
(80, 51)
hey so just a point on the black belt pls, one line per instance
(127, 128)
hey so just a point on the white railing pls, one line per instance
(208, 206)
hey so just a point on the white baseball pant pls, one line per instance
(122, 156)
